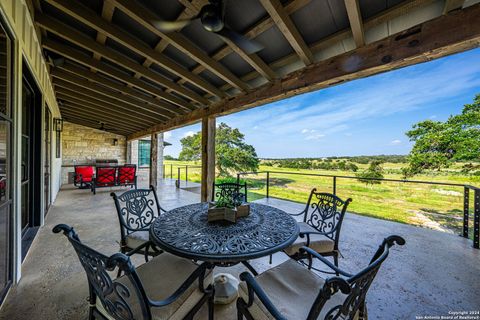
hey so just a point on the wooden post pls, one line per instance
(208, 158)
(153, 160)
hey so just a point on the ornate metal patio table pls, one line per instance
(186, 232)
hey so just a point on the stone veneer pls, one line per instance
(82, 144)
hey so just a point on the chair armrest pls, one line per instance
(255, 289)
(140, 247)
(313, 253)
(198, 274)
(298, 214)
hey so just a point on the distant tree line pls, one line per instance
(312, 164)
(355, 159)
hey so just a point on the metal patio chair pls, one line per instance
(167, 287)
(321, 226)
(83, 176)
(230, 192)
(293, 291)
(136, 210)
(127, 175)
(104, 177)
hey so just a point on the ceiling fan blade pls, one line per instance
(247, 45)
(170, 26)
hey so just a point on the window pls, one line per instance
(144, 153)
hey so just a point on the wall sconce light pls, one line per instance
(115, 142)
(58, 124)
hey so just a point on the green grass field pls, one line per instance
(431, 206)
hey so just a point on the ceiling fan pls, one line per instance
(103, 128)
(212, 17)
(55, 61)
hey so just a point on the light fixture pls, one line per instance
(58, 124)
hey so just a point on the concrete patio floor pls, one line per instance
(434, 273)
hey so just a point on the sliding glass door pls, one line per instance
(5, 160)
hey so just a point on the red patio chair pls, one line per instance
(104, 177)
(83, 176)
(127, 175)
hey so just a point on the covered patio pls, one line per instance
(82, 80)
(435, 273)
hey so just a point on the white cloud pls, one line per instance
(395, 142)
(315, 137)
(188, 134)
(167, 135)
(304, 131)
(364, 99)
(433, 117)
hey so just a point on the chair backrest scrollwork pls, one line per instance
(358, 286)
(124, 300)
(136, 209)
(325, 212)
(230, 192)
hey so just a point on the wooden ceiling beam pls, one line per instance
(71, 34)
(91, 122)
(145, 17)
(107, 14)
(288, 29)
(263, 26)
(355, 19)
(445, 35)
(105, 91)
(121, 121)
(71, 68)
(89, 18)
(387, 15)
(452, 5)
(100, 100)
(67, 94)
(253, 32)
(108, 70)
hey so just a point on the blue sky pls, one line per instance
(363, 117)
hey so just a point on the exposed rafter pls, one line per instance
(88, 17)
(68, 33)
(452, 5)
(394, 12)
(107, 14)
(146, 17)
(418, 44)
(356, 24)
(106, 69)
(129, 92)
(288, 28)
(113, 94)
(99, 102)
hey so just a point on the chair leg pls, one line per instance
(270, 259)
(210, 307)
(91, 316)
(239, 310)
(335, 261)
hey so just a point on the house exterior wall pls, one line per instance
(82, 145)
(17, 20)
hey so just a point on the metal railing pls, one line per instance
(179, 169)
(466, 195)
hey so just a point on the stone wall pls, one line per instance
(82, 145)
